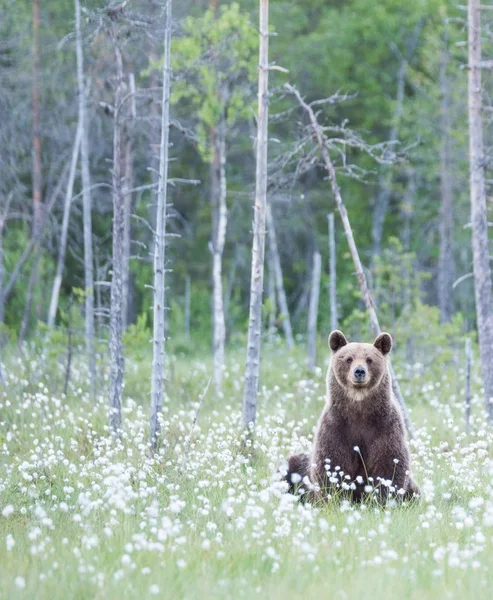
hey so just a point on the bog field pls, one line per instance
(85, 515)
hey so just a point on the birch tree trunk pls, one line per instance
(281, 294)
(158, 334)
(446, 269)
(332, 273)
(258, 248)
(55, 293)
(86, 207)
(481, 266)
(128, 184)
(313, 310)
(117, 360)
(220, 220)
(363, 283)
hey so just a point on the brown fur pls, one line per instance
(361, 412)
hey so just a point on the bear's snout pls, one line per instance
(359, 373)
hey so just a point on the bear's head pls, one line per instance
(359, 368)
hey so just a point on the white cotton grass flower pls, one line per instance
(8, 511)
(20, 582)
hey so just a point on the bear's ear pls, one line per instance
(383, 343)
(337, 340)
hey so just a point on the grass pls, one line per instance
(87, 516)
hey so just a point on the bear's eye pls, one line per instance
(349, 360)
(369, 361)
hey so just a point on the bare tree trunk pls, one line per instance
(3, 222)
(158, 337)
(86, 207)
(188, 298)
(365, 291)
(220, 220)
(128, 184)
(467, 410)
(36, 106)
(313, 309)
(258, 248)
(446, 269)
(281, 294)
(55, 293)
(332, 273)
(117, 360)
(481, 266)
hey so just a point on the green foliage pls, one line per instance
(216, 64)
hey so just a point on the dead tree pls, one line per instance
(159, 309)
(258, 247)
(319, 135)
(332, 274)
(128, 184)
(479, 221)
(445, 276)
(57, 282)
(117, 359)
(313, 309)
(281, 294)
(86, 206)
(220, 224)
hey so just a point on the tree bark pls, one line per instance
(220, 221)
(55, 293)
(86, 207)
(158, 337)
(332, 273)
(258, 248)
(446, 269)
(481, 266)
(363, 283)
(117, 360)
(36, 107)
(313, 310)
(128, 184)
(281, 294)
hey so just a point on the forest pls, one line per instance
(193, 195)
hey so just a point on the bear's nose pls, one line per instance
(360, 372)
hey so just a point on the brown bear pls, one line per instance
(360, 445)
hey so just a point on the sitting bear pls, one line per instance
(360, 443)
